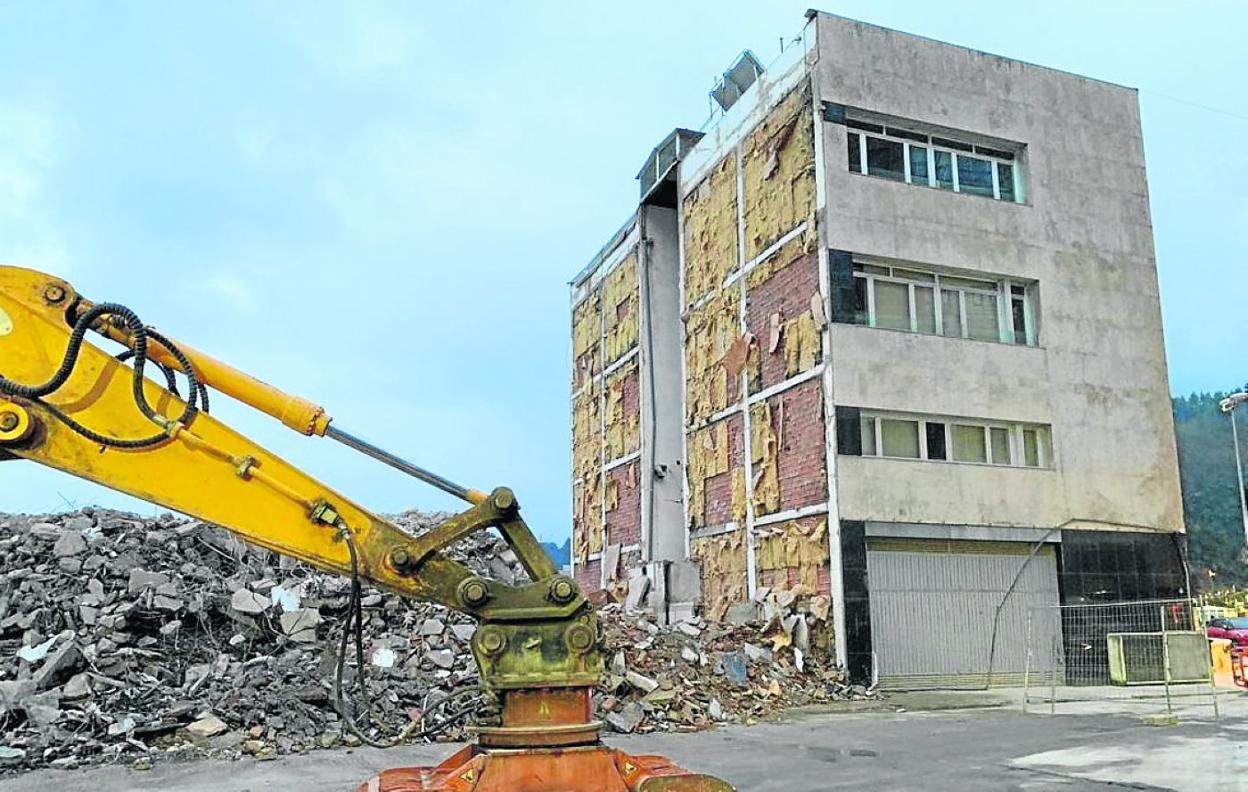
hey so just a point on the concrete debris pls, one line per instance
(207, 725)
(249, 602)
(172, 638)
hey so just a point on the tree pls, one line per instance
(1210, 490)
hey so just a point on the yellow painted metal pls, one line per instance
(197, 471)
(297, 413)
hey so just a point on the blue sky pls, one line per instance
(378, 205)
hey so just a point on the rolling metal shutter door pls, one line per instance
(933, 604)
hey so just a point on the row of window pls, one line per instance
(904, 298)
(956, 440)
(900, 154)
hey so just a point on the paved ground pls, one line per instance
(970, 750)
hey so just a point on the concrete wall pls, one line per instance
(1084, 233)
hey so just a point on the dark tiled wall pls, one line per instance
(857, 601)
(1112, 566)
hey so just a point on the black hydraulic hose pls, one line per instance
(122, 316)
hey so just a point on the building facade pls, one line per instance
(888, 332)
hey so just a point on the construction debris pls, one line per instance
(168, 637)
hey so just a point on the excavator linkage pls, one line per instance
(67, 404)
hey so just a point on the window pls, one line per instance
(903, 298)
(901, 154)
(955, 440)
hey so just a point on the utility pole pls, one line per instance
(1228, 406)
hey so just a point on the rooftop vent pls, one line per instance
(657, 173)
(737, 80)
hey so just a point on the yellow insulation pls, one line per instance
(623, 430)
(586, 472)
(779, 172)
(802, 343)
(710, 331)
(764, 452)
(710, 218)
(795, 551)
(586, 333)
(724, 574)
(621, 300)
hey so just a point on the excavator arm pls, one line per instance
(67, 404)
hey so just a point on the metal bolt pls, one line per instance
(8, 421)
(504, 499)
(491, 640)
(399, 558)
(474, 592)
(561, 590)
(579, 638)
(54, 294)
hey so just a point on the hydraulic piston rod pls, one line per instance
(398, 463)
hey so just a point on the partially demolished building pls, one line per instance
(889, 332)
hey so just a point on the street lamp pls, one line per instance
(1228, 406)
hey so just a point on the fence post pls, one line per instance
(1165, 661)
(1027, 663)
(1053, 679)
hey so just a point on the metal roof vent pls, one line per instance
(737, 80)
(659, 167)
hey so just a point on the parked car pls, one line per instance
(1235, 629)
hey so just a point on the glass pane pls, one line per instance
(900, 438)
(1000, 446)
(971, 283)
(892, 305)
(968, 443)
(1005, 180)
(868, 437)
(950, 314)
(925, 309)
(974, 175)
(1031, 448)
(936, 441)
(855, 155)
(918, 164)
(873, 269)
(1018, 315)
(981, 317)
(885, 158)
(860, 301)
(944, 170)
(925, 277)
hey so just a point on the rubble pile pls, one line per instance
(125, 638)
(693, 674)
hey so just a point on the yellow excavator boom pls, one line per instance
(67, 404)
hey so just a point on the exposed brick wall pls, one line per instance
(798, 415)
(788, 292)
(624, 521)
(719, 488)
(589, 576)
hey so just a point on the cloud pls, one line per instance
(29, 140)
(234, 292)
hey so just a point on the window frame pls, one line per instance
(1003, 291)
(1016, 450)
(990, 154)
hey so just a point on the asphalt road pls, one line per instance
(966, 750)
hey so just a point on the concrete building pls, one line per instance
(888, 333)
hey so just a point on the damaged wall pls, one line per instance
(606, 415)
(755, 309)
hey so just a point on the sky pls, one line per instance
(378, 206)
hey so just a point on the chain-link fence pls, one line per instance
(1156, 647)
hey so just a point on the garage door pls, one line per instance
(933, 604)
